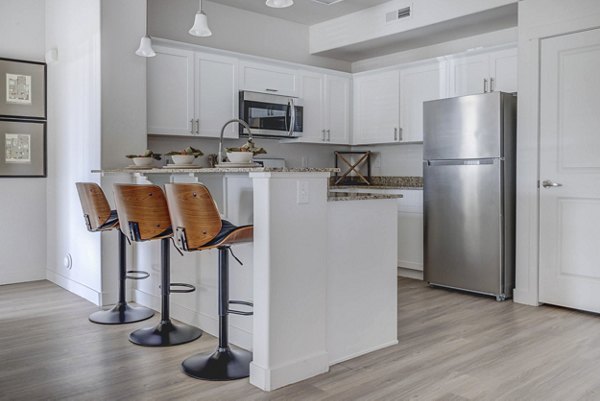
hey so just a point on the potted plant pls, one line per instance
(244, 153)
(144, 159)
(185, 156)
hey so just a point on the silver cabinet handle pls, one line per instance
(193, 129)
(485, 85)
(550, 184)
(492, 84)
(198, 126)
(395, 134)
(328, 135)
(271, 90)
(400, 131)
(324, 137)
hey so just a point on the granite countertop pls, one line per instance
(175, 170)
(349, 196)
(380, 182)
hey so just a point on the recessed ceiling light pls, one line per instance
(279, 3)
(327, 2)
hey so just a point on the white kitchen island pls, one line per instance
(321, 271)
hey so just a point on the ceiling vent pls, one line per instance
(327, 2)
(396, 15)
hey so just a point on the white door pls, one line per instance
(170, 79)
(377, 108)
(337, 109)
(217, 99)
(469, 75)
(417, 85)
(570, 155)
(312, 96)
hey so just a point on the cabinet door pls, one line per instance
(171, 92)
(377, 111)
(217, 99)
(469, 74)
(337, 109)
(417, 85)
(269, 79)
(503, 65)
(312, 95)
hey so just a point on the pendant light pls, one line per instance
(145, 49)
(280, 3)
(200, 27)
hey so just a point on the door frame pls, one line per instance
(538, 20)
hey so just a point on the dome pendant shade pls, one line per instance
(145, 49)
(280, 3)
(200, 27)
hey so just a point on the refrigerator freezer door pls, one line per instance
(463, 225)
(467, 127)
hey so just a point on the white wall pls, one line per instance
(22, 200)
(73, 27)
(537, 19)
(237, 30)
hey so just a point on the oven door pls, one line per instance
(270, 115)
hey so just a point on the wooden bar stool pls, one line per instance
(99, 217)
(198, 226)
(144, 216)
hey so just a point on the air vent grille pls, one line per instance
(397, 15)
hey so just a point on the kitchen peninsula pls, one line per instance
(321, 271)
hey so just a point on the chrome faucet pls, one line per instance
(235, 120)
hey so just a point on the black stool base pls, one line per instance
(223, 364)
(165, 334)
(121, 313)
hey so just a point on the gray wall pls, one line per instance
(237, 30)
(22, 200)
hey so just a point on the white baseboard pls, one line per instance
(210, 324)
(363, 352)
(293, 372)
(76, 288)
(410, 273)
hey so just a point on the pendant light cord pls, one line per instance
(147, 18)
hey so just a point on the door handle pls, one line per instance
(551, 184)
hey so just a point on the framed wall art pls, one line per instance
(22, 148)
(22, 89)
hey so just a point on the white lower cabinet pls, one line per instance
(410, 226)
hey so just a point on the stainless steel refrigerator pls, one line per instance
(469, 193)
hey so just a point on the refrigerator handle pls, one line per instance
(461, 162)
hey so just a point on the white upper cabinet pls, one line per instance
(417, 85)
(503, 72)
(170, 78)
(337, 109)
(269, 79)
(483, 72)
(191, 93)
(377, 108)
(326, 100)
(217, 99)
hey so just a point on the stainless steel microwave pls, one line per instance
(274, 116)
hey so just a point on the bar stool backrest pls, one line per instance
(194, 213)
(143, 212)
(96, 209)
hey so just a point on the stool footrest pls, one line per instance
(188, 288)
(238, 312)
(137, 275)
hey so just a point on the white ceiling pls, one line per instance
(305, 12)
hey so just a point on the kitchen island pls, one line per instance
(321, 271)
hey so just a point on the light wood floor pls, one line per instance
(452, 347)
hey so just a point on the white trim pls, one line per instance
(292, 372)
(76, 288)
(363, 352)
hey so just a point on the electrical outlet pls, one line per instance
(302, 193)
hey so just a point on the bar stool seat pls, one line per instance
(198, 226)
(144, 216)
(99, 217)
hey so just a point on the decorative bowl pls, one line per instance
(240, 157)
(183, 159)
(142, 161)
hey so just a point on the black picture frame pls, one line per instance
(28, 156)
(23, 90)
